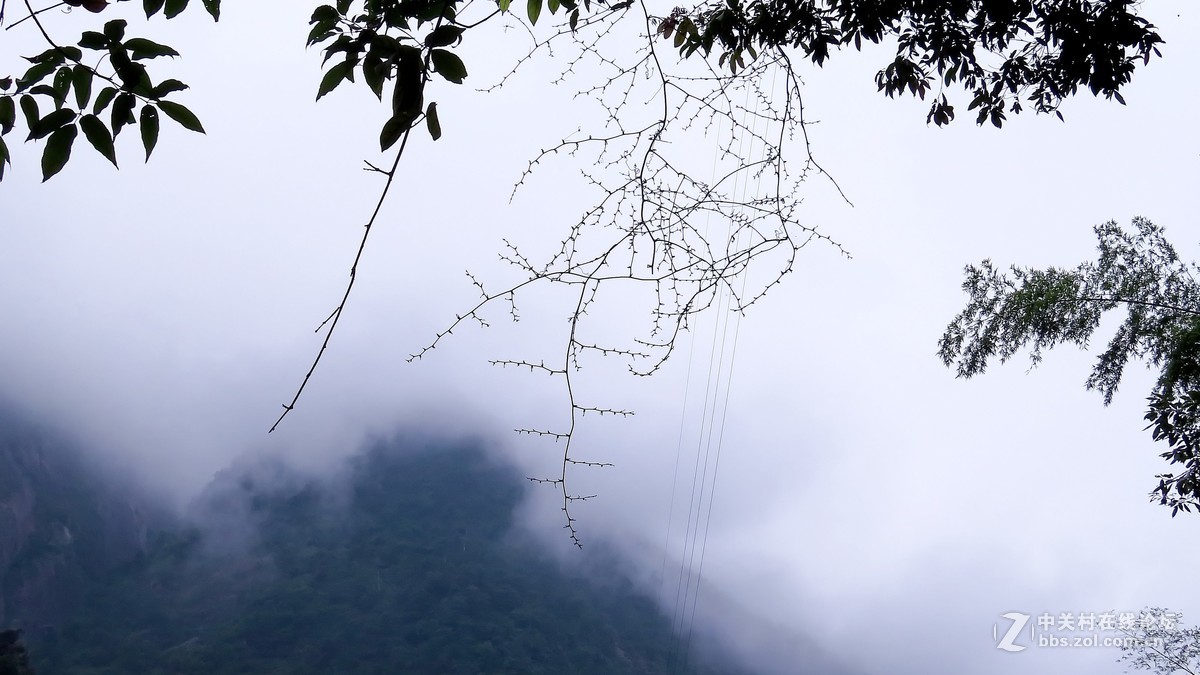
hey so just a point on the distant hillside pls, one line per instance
(60, 526)
(402, 564)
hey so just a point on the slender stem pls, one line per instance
(21, 21)
(336, 316)
(33, 15)
(1144, 303)
(472, 25)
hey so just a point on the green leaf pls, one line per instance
(167, 87)
(324, 13)
(57, 55)
(504, 5)
(8, 114)
(114, 30)
(62, 84)
(182, 115)
(152, 7)
(344, 43)
(135, 78)
(49, 92)
(51, 123)
(398, 16)
(118, 57)
(29, 108)
(5, 83)
(105, 97)
(387, 47)
(343, 6)
(553, 6)
(93, 40)
(97, 134)
(149, 128)
(448, 65)
(534, 9)
(375, 71)
(35, 74)
(174, 8)
(148, 49)
(409, 93)
(340, 71)
(214, 8)
(428, 11)
(431, 121)
(4, 157)
(58, 151)
(320, 32)
(443, 36)
(81, 80)
(393, 129)
(122, 111)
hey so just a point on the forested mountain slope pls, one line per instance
(62, 526)
(403, 563)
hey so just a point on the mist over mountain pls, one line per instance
(65, 523)
(403, 561)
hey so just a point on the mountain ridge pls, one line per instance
(403, 561)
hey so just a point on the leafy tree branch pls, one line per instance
(1159, 643)
(1136, 271)
(64, 67)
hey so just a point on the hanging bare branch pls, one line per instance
(658, 223)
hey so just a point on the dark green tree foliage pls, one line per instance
(1001, 51)
(55, 94)
(1138, 272)
(409, 566)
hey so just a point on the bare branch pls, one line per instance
(657, 223)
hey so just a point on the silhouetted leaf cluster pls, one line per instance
(65, 75)
(1001, 51)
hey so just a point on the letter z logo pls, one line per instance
(1008, 642)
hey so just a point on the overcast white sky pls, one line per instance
(866, 499)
